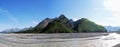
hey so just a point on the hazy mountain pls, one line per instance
(112, 28)
(11, 30)
(62, 24)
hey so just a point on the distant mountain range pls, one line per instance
(62, 24)
(112, 28)
(11, 30)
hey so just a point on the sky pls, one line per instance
(26, 13)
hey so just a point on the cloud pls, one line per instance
(112, 5)
(114, 8)
(9, 15)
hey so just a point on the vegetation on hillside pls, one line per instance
(84, 25)
(63, 25)
(56, 27)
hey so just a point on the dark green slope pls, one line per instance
(64, 20)
(56, 27)
(84, 25)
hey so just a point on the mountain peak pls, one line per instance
(84, 19)
(44, 23)
(47, 19)
(62, 16)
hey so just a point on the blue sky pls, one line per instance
(26, 13)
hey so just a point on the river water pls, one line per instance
(25, 40)
(101, 41)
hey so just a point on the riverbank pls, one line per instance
(47, 40)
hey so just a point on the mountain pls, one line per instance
(59, 25)
(42, 24)
(56, 27)
(10, 30)
(85, 25)
(64, 20)
(71, 23)
(112, 28)
(62, 24)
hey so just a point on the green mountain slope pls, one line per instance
(84, 25)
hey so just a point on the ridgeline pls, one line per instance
(62, 24)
